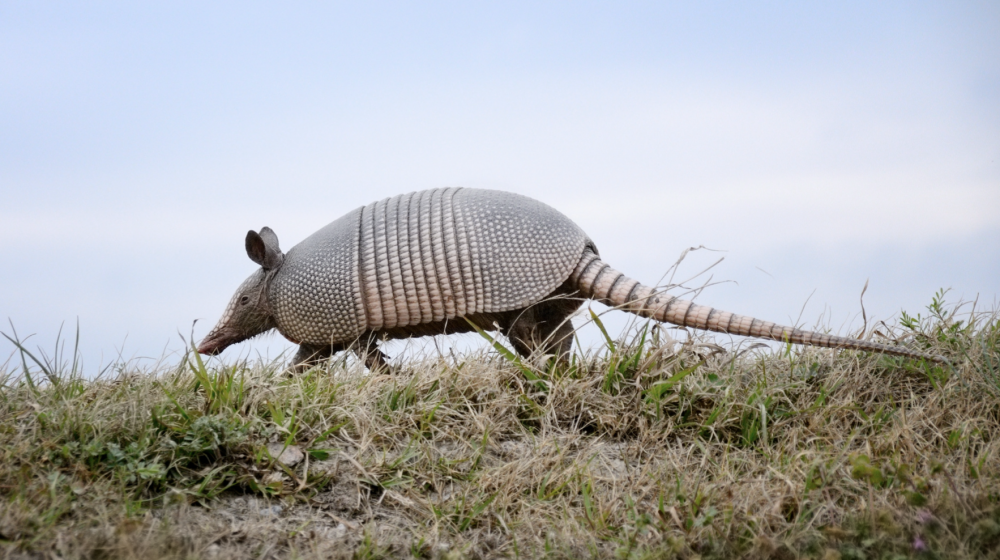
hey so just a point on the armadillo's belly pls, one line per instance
(425, 257)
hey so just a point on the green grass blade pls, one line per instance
(511, 357)
(657, 390)
(604, 331)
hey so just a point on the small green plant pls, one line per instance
(465, 512)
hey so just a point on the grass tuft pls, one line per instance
(646, 448)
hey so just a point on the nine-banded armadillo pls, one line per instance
(431, 262)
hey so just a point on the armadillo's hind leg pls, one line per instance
(561, 341)
(367, 350)
(544, 327)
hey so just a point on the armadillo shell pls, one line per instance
(423, 257)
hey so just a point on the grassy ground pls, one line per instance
(647, 449)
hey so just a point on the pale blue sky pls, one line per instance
(817, 145)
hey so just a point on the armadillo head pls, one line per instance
(249, 312)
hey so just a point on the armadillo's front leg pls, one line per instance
(309, 356)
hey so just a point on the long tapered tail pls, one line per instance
(595, 279)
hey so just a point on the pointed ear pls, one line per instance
(270, 239)
(262, 248)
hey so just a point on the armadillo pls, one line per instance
(449, 260)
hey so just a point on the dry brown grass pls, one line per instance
(808, 453)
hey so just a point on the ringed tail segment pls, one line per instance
(597, 280)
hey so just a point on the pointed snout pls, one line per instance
(216, 341)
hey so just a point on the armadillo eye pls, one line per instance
(244, 300)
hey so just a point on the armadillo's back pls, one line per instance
(425, 257)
